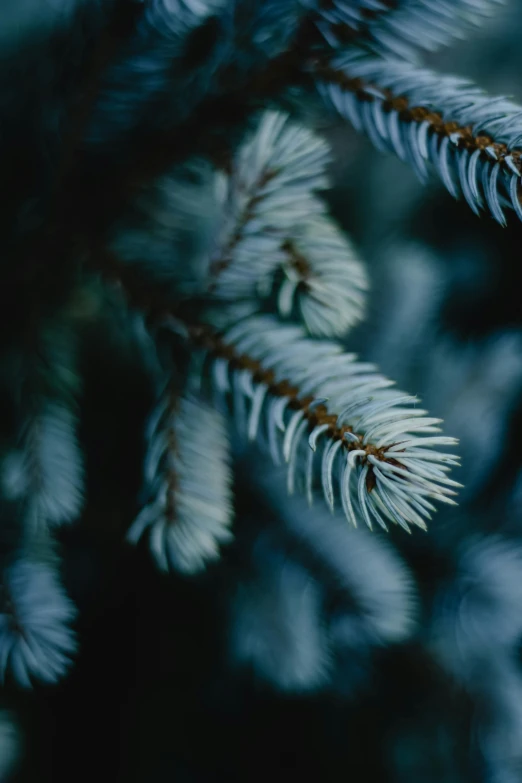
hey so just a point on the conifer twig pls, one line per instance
(473, 140)
(299, 388)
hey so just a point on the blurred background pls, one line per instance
(275, 662)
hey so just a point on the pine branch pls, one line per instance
(473, 140)
(36, 639)
(187, 484)
(42, 468)
(269, 191)
(277, 383)
(400, 27)
(49, 469)
(274, 223)
(41, 483)
(328, 293)
(149, 57)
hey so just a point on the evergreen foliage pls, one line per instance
(168, 171)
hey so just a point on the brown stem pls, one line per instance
(204, 337)
(419, 114)
(224, 258)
